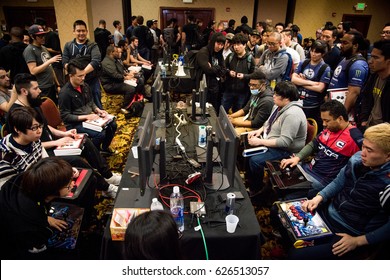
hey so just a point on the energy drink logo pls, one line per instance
(358, 73)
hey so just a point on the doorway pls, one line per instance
(181, 14)
(360, 22)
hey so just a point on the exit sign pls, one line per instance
(360, 6)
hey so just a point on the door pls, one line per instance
(360, 22)
(181, 14)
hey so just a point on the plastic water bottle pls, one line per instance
(202, 136)
(163, 71)
(156, 205)
(177, 208)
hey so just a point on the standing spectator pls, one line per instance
(239, 64)
(230, 28)
(210, 61)
(102, 37)
(117, 33)
(53, 45)
(129, 30)
(5, 98)
(279, 27)
(312, 77)
(333, 56)
(376, 93)
(11, 56)
(40, 62)
(189, 35)
(352, 71)
(294, 45)
(385, 34)
(227, 49)
(81, 46)
(141, 32)
(244, 27)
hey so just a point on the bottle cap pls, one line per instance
(231, 195)
(154, 199)
(176, 189)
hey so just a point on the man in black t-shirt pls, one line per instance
(189, 35)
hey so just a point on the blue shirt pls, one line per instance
(357, 75)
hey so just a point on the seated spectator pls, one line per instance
(28, 95)
(258, 108)
(76, 105)
(136, 58)
(22, 147)
(332, 148)
(311, 77)
(351, 203)
(24, 204)
(6, 100)
(114, 76)
(283, 133)
(152, 236)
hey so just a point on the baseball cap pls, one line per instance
(154, 20)
(255, 32)
(36, 29)
(229, 36)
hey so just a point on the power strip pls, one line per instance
(197, 208)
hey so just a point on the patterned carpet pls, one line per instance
(271, 249)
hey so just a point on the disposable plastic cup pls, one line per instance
(231, 223)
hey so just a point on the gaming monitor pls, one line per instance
(145, 149)
(158, 97)
(227, 143)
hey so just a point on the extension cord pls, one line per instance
(180, 119)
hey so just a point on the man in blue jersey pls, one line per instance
(352, 71)
(333, 147)
(311, 77)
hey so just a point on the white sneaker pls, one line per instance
(115, 179)
(111, 191)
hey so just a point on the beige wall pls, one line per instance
(311, 15)
(151, 8)
(275, 10)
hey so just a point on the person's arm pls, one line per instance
(109, 69)
(277, 69)
(183, 39)
(304, 153)
(351, 96)
(34, 69)
(237, 114)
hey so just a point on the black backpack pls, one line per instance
(169, 36)
(149, 39)
(136, 106)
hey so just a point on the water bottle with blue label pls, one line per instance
(202, 136)
(177, 208)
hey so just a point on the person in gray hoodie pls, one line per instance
(283, 133)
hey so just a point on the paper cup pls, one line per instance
(231, 223)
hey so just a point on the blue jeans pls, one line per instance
(94, 86)
(102, 139)
(257, 164)
(234, 100)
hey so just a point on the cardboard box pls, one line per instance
(121, 217)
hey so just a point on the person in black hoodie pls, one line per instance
(24, 204)
(239, 64)
(210, 61)
(11, 56)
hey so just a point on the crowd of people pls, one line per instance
(269, 79)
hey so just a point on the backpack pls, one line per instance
(149, 39)
(136, 106)
(169, 36)
(289, 69)
(248, 60)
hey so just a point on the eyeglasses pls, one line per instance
(387, 32)
(272, 44)
(35, 127)
(254, 85)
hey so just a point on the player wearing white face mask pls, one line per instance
(258, 108)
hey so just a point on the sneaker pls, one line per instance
(108, 152)
(111, 191)
(124, 111)
(115, 179)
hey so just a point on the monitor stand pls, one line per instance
(219, 182)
